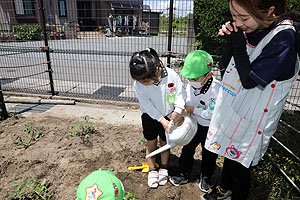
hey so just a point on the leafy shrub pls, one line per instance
(27, 32)
(294, 5)
(209, 15)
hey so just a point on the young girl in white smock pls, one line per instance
(161, 99)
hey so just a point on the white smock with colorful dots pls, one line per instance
(244, 120)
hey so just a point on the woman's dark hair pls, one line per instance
(259, 8)
(143, 64)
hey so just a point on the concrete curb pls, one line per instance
(127, 104)
(37, 100)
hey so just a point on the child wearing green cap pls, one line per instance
(202, 90)
(100, 185)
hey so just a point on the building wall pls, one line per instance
(100, 10)
(52, 12)
(4, 17)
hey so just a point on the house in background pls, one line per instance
(14, 12)
(4, 17)
(67, 15)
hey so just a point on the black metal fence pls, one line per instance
(79, 48)
(85, 46)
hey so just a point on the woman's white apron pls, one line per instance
(244, 120)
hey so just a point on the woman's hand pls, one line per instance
(227, 28)
(234, 36)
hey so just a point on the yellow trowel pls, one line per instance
(144, 167)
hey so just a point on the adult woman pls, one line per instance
(260, 72)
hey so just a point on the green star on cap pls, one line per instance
(196, 64)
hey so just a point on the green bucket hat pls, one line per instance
(100, 185)
(196, 64)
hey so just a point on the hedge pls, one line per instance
(27, 32)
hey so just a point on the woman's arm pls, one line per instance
(237, 43)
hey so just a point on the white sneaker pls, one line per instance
(153, 179)
(162, 176)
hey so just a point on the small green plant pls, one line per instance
(84, 129)
(143, 141)
(130, 196)
(31, 188)
(13, 112)
(33, 135)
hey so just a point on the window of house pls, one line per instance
(24, 7)
(62, 8)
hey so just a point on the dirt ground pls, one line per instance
(64, 160)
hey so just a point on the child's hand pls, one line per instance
(174, 117)
(165, 124)
(188, 110)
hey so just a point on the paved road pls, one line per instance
(81, 63)
(86, 66)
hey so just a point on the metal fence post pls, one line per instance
(46, 48)
(3, 111)
(170, 31)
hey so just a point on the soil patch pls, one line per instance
(64, 160)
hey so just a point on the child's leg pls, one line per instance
(151, 128)
(226, 178)
(163, 171)
(164, 155)
(151, 146)
(186, 159)
(208, 163)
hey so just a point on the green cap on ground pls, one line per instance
(100, 185)
(196, 64)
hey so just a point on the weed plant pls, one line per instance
(33, 135)
(130, 196)
(31, 189)
(84, 129)
(143, 142)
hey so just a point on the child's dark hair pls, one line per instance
(143, 65)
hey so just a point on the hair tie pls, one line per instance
(145, 61)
